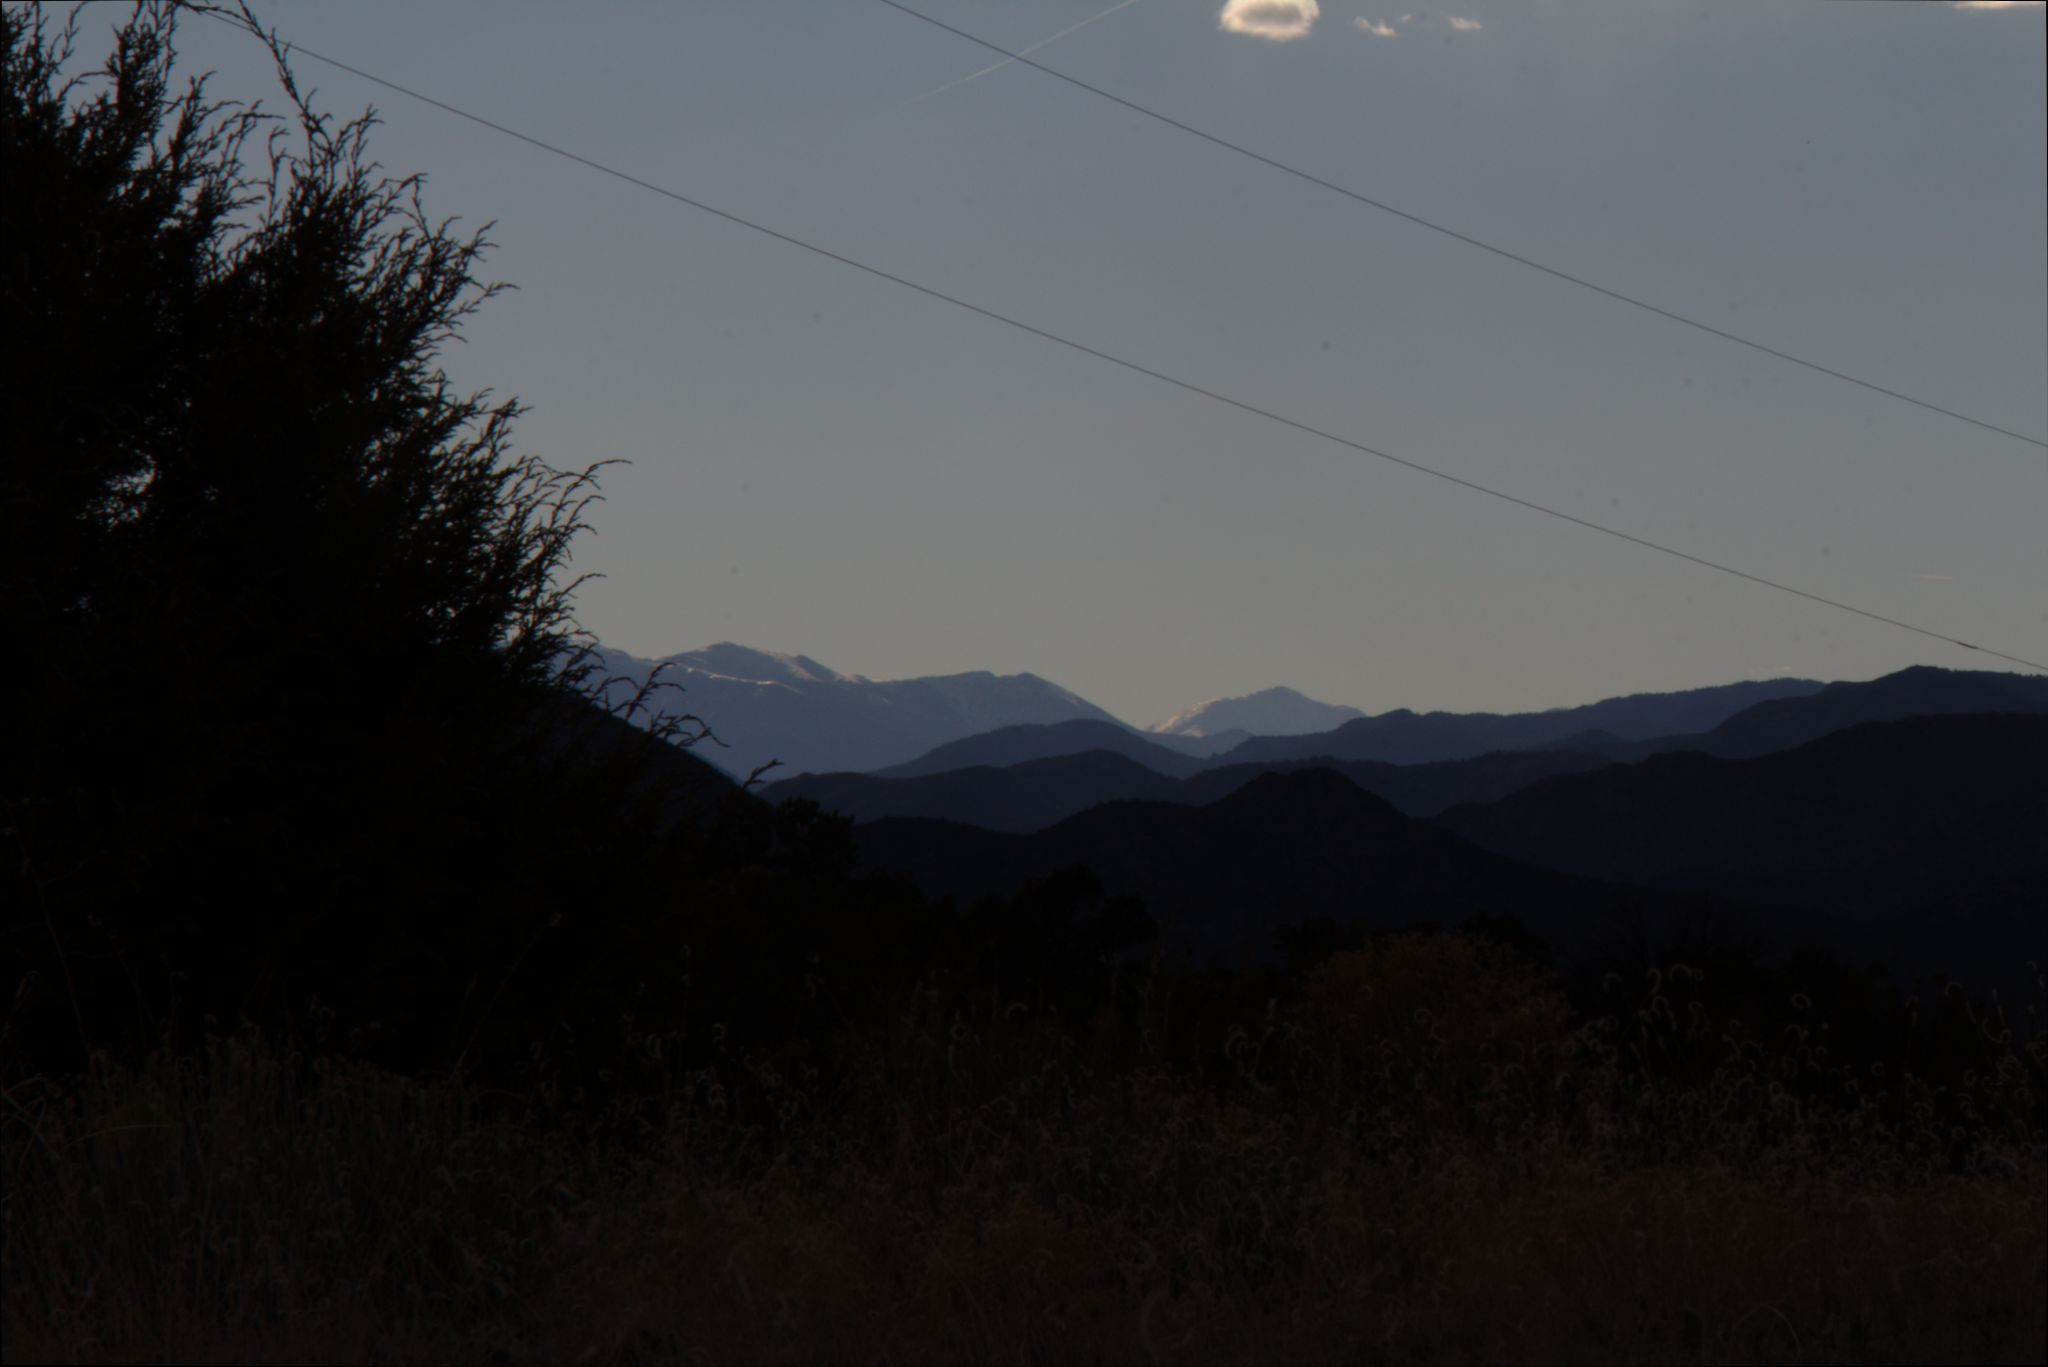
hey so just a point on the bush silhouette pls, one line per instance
(295, 724)
(1428, 1026)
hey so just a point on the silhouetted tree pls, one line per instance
(286, 616)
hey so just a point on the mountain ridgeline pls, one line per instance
(1881, 816)
(812, 719)
(791, 709)
(1014, 779)
(1917, 844)
(766, 706)
(1229, 879)
(1903, 821)
(1031, 794)
(1405, 737)
(1023, 744)
(1268, 712)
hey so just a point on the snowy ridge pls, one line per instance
(1268, 712)
(768, 705)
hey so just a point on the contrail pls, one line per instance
(1120, 4)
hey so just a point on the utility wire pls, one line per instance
(1454, 234)
(1046, 41)
(1147, 371)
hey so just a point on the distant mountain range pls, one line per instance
(1025, 778)
(1920, 844)
(1269, 712)
(1881, 815)
(1033, 793)
(1022, 744)
(1902, 819)
(819, 722)
(1225, 879)
(1917, 692)
(766, 706)
(1406, 737)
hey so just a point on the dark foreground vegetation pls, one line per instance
(374, 995)
(1411, 1156)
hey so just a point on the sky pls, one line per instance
(826, 463)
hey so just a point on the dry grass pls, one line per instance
(1364, 1183)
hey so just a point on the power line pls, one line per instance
(1046, 41)
(1146, 371)
(1457, 236)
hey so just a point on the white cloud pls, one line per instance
(1465, 25)
(1377, 29)
(1999, 4)
(1279, 20)
(1407, 18)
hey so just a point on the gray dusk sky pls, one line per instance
(826, 463)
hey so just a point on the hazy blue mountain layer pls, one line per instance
(1020, 744)
(1780, 724)
(1228, 878)
(765, 706)
(1920, 844)
(1395, 737)
(1037, 793)
(1268, 712)
(1881, 814)
(1406, 737)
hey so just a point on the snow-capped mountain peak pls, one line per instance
(765, 705)
(738, 662)
(1268, 712)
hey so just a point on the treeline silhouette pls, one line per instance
(295, 713)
